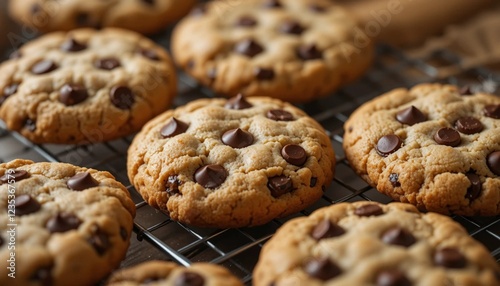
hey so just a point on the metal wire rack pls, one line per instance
(158, 237)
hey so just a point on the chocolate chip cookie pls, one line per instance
(85, 86)
(61, 224)
(168, 273)
(231, 163)
(367, 243)
(294, 50)
(144, 16)
(434, 146)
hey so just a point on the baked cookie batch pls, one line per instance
(242, 159)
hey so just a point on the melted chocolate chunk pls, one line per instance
(82, 181)
(449, 258)
(238, 102)
(107, 63)
(172, 185)
(62, 222)
(469, 125)
(279, 115)
(309, 52)
(411, 116)
(237, 138)
(72, 94)
(369, 210)
(72, 45)
(493, 162)
(264, 73)
(291, 27)
(398, 236)
(279, 185)
(44, 67)
(16, 175)
(448, 137)
(122, 97)
(246, 21)
(327, 229)
(322, 269)
(210, 176)
(492, 111)
(25, 204)
(248, 47)
(173, 127)
(392, 278)
(388, 144)
(294, 154)
(99, 240)
(474, 190)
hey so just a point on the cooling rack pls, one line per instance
(158, 237)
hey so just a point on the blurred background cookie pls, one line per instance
(144, 16)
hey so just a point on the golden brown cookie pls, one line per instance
(434, 146)
(231, 163)
(143, 16)
(367, 243)
(294, 50)
(85, 86)
(61, 224)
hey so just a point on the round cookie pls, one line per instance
(168, 273)
(72, 225)
(433, 146)
(231, 163)
(143, 16)
(367, 243)
(294, 50)
(85, 86)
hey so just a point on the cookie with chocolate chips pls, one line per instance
(169, 273)
(434, 146)
(65, 225)
(85, 86)
(294, 50)
(143, 16)
(368, 243)
(231, 162)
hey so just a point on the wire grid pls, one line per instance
(238, 249)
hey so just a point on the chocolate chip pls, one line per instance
(449, 258)
(246, 21)
(317, 8)
(43, 67)
(172, 185)
(150, 54)
(392, 278)
(82, 19)
(72, 45)
(398, 236)
(388, 144)
(30, 125)
(313, 182)
(210, 176)
(237, 138)
(475, 186)
(25, 204)
(263, 73)
(72, 94)
(173, 127)
(369, 210)
(309, 52)
(122, 97)
(82, 181)
(10, 89)
(493, 161)
(492, 111)
(294, 154)
(123, 233)
(43, 276)
(238, 102)
(469, 125)
(322, 268)
(291, 27)
(327, 229)
(107, 63)
(279, 115)
(149, 2)
(272, 4)
(279, 185)
(189, 279)
(99, 240)
(394, 179)
(248, 47)
(465, 90)
(62, 222)
(447, 136)
(17, 176)
(411, 116)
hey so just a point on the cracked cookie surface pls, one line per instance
(85, 86)
(168, 273)
(143, 16)
(294, 50)
(432, 146)
(231, 163)
(73, 224)
(367, 243)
